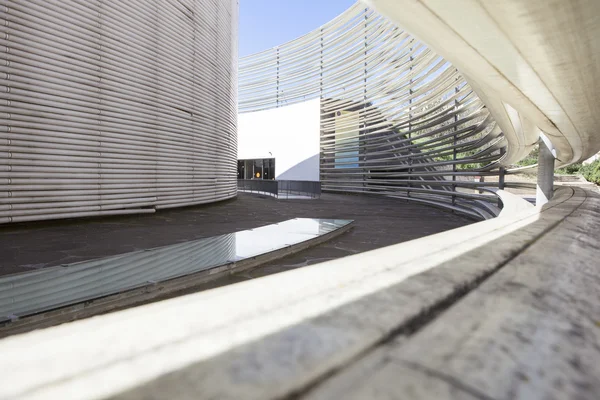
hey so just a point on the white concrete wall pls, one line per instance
(290, 134)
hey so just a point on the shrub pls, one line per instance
(570, 169)
(532, 158)
(527, 162)
(591, 172)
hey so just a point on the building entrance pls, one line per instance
(258, 168)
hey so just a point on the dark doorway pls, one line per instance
(256, 168)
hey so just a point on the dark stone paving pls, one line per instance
(379, 222)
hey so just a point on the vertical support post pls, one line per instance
(501, 177)
(454, 154)
(410, 93)
(545, 178)
(364, 124)
(500, 185)
(278, 77)
(502, 171)
(321, 70)
(365, 59)
(321, 130)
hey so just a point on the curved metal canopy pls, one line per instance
(535, 63)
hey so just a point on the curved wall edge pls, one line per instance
(114, 107)
(539, 57)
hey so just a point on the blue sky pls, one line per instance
(267, 23)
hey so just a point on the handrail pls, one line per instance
(282, 189)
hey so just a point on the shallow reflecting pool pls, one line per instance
(34, 292)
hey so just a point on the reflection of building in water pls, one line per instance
(271, 237)
(111, 275)
(25, 294)
(326, 226)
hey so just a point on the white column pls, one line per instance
(545, 178)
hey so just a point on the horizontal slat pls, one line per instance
(120, 106)
(393, 113)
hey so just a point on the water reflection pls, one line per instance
(33, 292)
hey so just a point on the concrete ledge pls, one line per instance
(530, 331)
(156, 290)
(278, 336)
(512, 204)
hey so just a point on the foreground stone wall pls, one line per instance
(504, 308)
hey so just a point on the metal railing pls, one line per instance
(292, 189)
(261, 186)
(282, 189)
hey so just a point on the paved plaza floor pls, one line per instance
(379, 222)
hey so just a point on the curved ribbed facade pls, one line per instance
(396, 118)
(113, 107)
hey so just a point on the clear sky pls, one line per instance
(267, 23)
